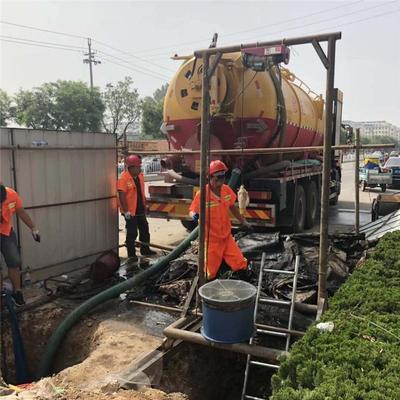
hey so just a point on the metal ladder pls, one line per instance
(266, 300)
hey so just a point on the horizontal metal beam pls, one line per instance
(67, 203)
(18, 147)
(264, 150)
(288, 42)
(243, 348)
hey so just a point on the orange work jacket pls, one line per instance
(8, 208)
(127, 185)
(218, 222)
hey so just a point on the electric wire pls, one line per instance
(132, 55)
(256, 28)
(99, 52)
(319, 22)
(40, 45)
(330, 19)
(43, 30)
(134, 69)
(42, 42)
(361, 20)
(82, 37)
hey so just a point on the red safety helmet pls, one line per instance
(217, 166)
(133, 161)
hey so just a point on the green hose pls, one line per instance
(63, 328)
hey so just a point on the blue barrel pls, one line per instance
(228, 310)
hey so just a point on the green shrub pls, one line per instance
(360, 359)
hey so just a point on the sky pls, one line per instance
(138, 38)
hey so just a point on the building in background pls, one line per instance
(373, 129)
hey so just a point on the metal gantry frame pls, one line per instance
(328, 61)
(209, 67)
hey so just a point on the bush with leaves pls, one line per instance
(360, 359)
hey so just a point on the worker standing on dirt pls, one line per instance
(132, 204)
(11, 203)
(220, 244)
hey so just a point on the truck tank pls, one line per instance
(248, 110)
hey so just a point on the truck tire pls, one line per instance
(312, 204)
(383, 187)
(189, 225)
(299, 217)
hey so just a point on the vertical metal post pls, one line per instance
(204, 144)
(356, 182)
(326, 175)
(15, 185)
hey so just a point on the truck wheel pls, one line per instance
(312, 204)
(299, 217)
(383, 187)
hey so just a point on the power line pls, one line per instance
(43, 30)
(134, 69)
(318, 22)
(248, 30)
(330, 19)
(40, 45)
(132, 55)
(127, 62)
(363, 19)
(80, 37)
(41, 42)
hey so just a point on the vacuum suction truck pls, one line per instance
(255, 102)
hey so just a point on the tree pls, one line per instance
(6, 109)
(152, 113)
(123, 107)
(61, 105)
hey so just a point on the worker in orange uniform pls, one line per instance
(11, 203)
(132, 204)
(220, 244)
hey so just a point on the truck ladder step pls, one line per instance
(266, 365)
(278, 271)
(274, 301)
(272, 333)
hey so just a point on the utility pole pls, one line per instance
(90, 60)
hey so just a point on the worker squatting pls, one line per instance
(220, 201)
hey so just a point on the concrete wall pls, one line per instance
(69, 193)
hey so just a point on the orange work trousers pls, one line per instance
(224, 249)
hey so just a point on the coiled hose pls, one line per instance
(159, 266)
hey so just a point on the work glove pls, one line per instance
(127, 215)
(36, 235)
(246, 226)
(195, 217)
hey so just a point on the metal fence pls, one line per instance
(67, 181)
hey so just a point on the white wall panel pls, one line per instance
(50, 177)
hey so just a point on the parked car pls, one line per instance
(394, 153)
(393, 164)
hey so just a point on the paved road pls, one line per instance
(341, 216)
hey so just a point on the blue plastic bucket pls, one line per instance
(228, 310)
